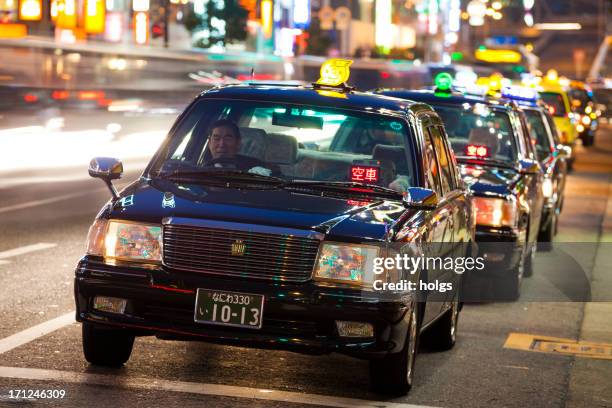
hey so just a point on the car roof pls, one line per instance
(307, 95)
(455, 98)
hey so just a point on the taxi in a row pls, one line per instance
(259, 219)
(498, 162)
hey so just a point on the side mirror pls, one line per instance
(529, 166)
(564, 151)
(107, 169)
(421, 198)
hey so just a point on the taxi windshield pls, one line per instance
(555, 101)
(291, 143)
(470, 126)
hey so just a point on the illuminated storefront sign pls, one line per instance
(140, 5)
(114, 27)
(94, 16)
(301, 13)
(141, 27)
(66, 14)
(266, 18)
(383, 33)
(30, 10)
(251, 7)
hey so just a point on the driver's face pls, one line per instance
(223, 143)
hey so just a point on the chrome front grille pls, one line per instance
(239, 253)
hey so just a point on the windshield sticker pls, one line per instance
(168, 201)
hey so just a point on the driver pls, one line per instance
(224, 143)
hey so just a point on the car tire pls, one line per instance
(510, 284)
(528, 268)
(442, 335)
(394, 374)
(106, 347)
(545, 237)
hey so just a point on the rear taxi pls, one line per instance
(555, 94)
(498, 163)
(584, 111)
(550, 153)
(260, 219)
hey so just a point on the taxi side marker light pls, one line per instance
(555, 345)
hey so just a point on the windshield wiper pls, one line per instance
(349, 186)
(219, 174)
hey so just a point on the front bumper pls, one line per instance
(297, 317)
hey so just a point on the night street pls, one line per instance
(44, 216)
(306, 203)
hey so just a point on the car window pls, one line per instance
(294, 142)
(450, 158)
(555, 101)
(553, 128)
(432, 171)
(528, 141)
(469, 125)
(539, 133)
(446, 178)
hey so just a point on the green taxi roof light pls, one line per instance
(443, 82)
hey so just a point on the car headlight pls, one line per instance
(125, 241)
(586, 120)
(547, 187)
(346, 263)
(495, 212)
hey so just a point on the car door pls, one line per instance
(455, 202)
(442, 220)
(533, 182)
(436, 220)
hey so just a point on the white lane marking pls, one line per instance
(78, 175)
(122, 381)
(36, 203)
(26, 249)
(28, 335)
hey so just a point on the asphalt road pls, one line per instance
(45, 212)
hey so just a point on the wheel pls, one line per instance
(510, 284)
(394, 374)
(442, 335)
(106, 347)
(528, 268)
(546, 235)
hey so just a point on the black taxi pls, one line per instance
(491, 141)
(551, 154)
(258, 222)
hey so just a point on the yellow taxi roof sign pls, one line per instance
(335, 72)
(498, 55)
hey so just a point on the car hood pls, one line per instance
(152, 201)
(489, 179)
